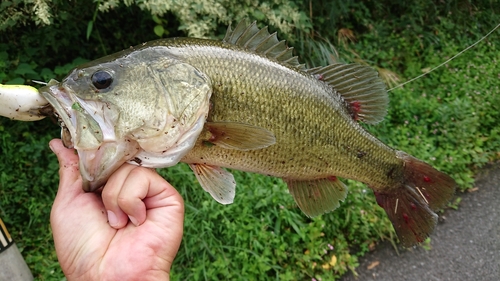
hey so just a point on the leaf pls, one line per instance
(373, 265)
(425, 70)
(90, 25)
(259, 15)
(159, 30)
(15, 81)
(46, 74)
(296, 228)
(156, 19)
(333, 261)
(24, 68)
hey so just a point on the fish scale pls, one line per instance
(302, 112)
(245, 103)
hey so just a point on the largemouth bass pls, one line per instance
(244, 103)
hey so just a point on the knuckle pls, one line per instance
(124, 202)
(107, 192)
(139, 172)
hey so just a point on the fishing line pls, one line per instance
(463, 51)
(39, 82)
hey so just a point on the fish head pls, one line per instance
(141, 106)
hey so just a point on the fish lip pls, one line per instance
(61, 102)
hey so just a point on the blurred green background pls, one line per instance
(448, 118)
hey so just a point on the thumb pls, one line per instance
(69, 174)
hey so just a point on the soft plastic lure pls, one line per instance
(24, 103)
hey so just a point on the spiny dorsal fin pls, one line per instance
(261, 42)
(361, 88)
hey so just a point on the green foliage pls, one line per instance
(18, 12)
(28, 183)
(264, 235)
(448, 118)
(200, 18)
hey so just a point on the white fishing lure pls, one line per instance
(21, 102)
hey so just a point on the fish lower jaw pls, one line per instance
(97, 165)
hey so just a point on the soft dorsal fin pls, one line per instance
(361, 88)
(261, 42)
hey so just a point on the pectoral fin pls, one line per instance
(216, 181)
(240, 136)
(316, 197)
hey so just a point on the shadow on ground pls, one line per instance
(464, 246)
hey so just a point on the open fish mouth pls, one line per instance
(99, 152)
(85, 124)
(61, 103)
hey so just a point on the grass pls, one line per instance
(448, 118)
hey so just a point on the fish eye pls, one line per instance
(102, 79)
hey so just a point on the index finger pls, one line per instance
(69, 173)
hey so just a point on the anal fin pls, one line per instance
(240, 136)
(315, 197)
(216, 181)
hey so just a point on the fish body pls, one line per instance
(316, 136)
(245, 103)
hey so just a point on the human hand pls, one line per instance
(91, 248)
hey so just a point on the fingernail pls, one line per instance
(112, 219)
(133, 220)
(51, 148)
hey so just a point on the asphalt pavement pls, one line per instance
(464, 246)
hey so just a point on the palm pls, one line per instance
(88, 246)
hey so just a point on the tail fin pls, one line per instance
(411, 205)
